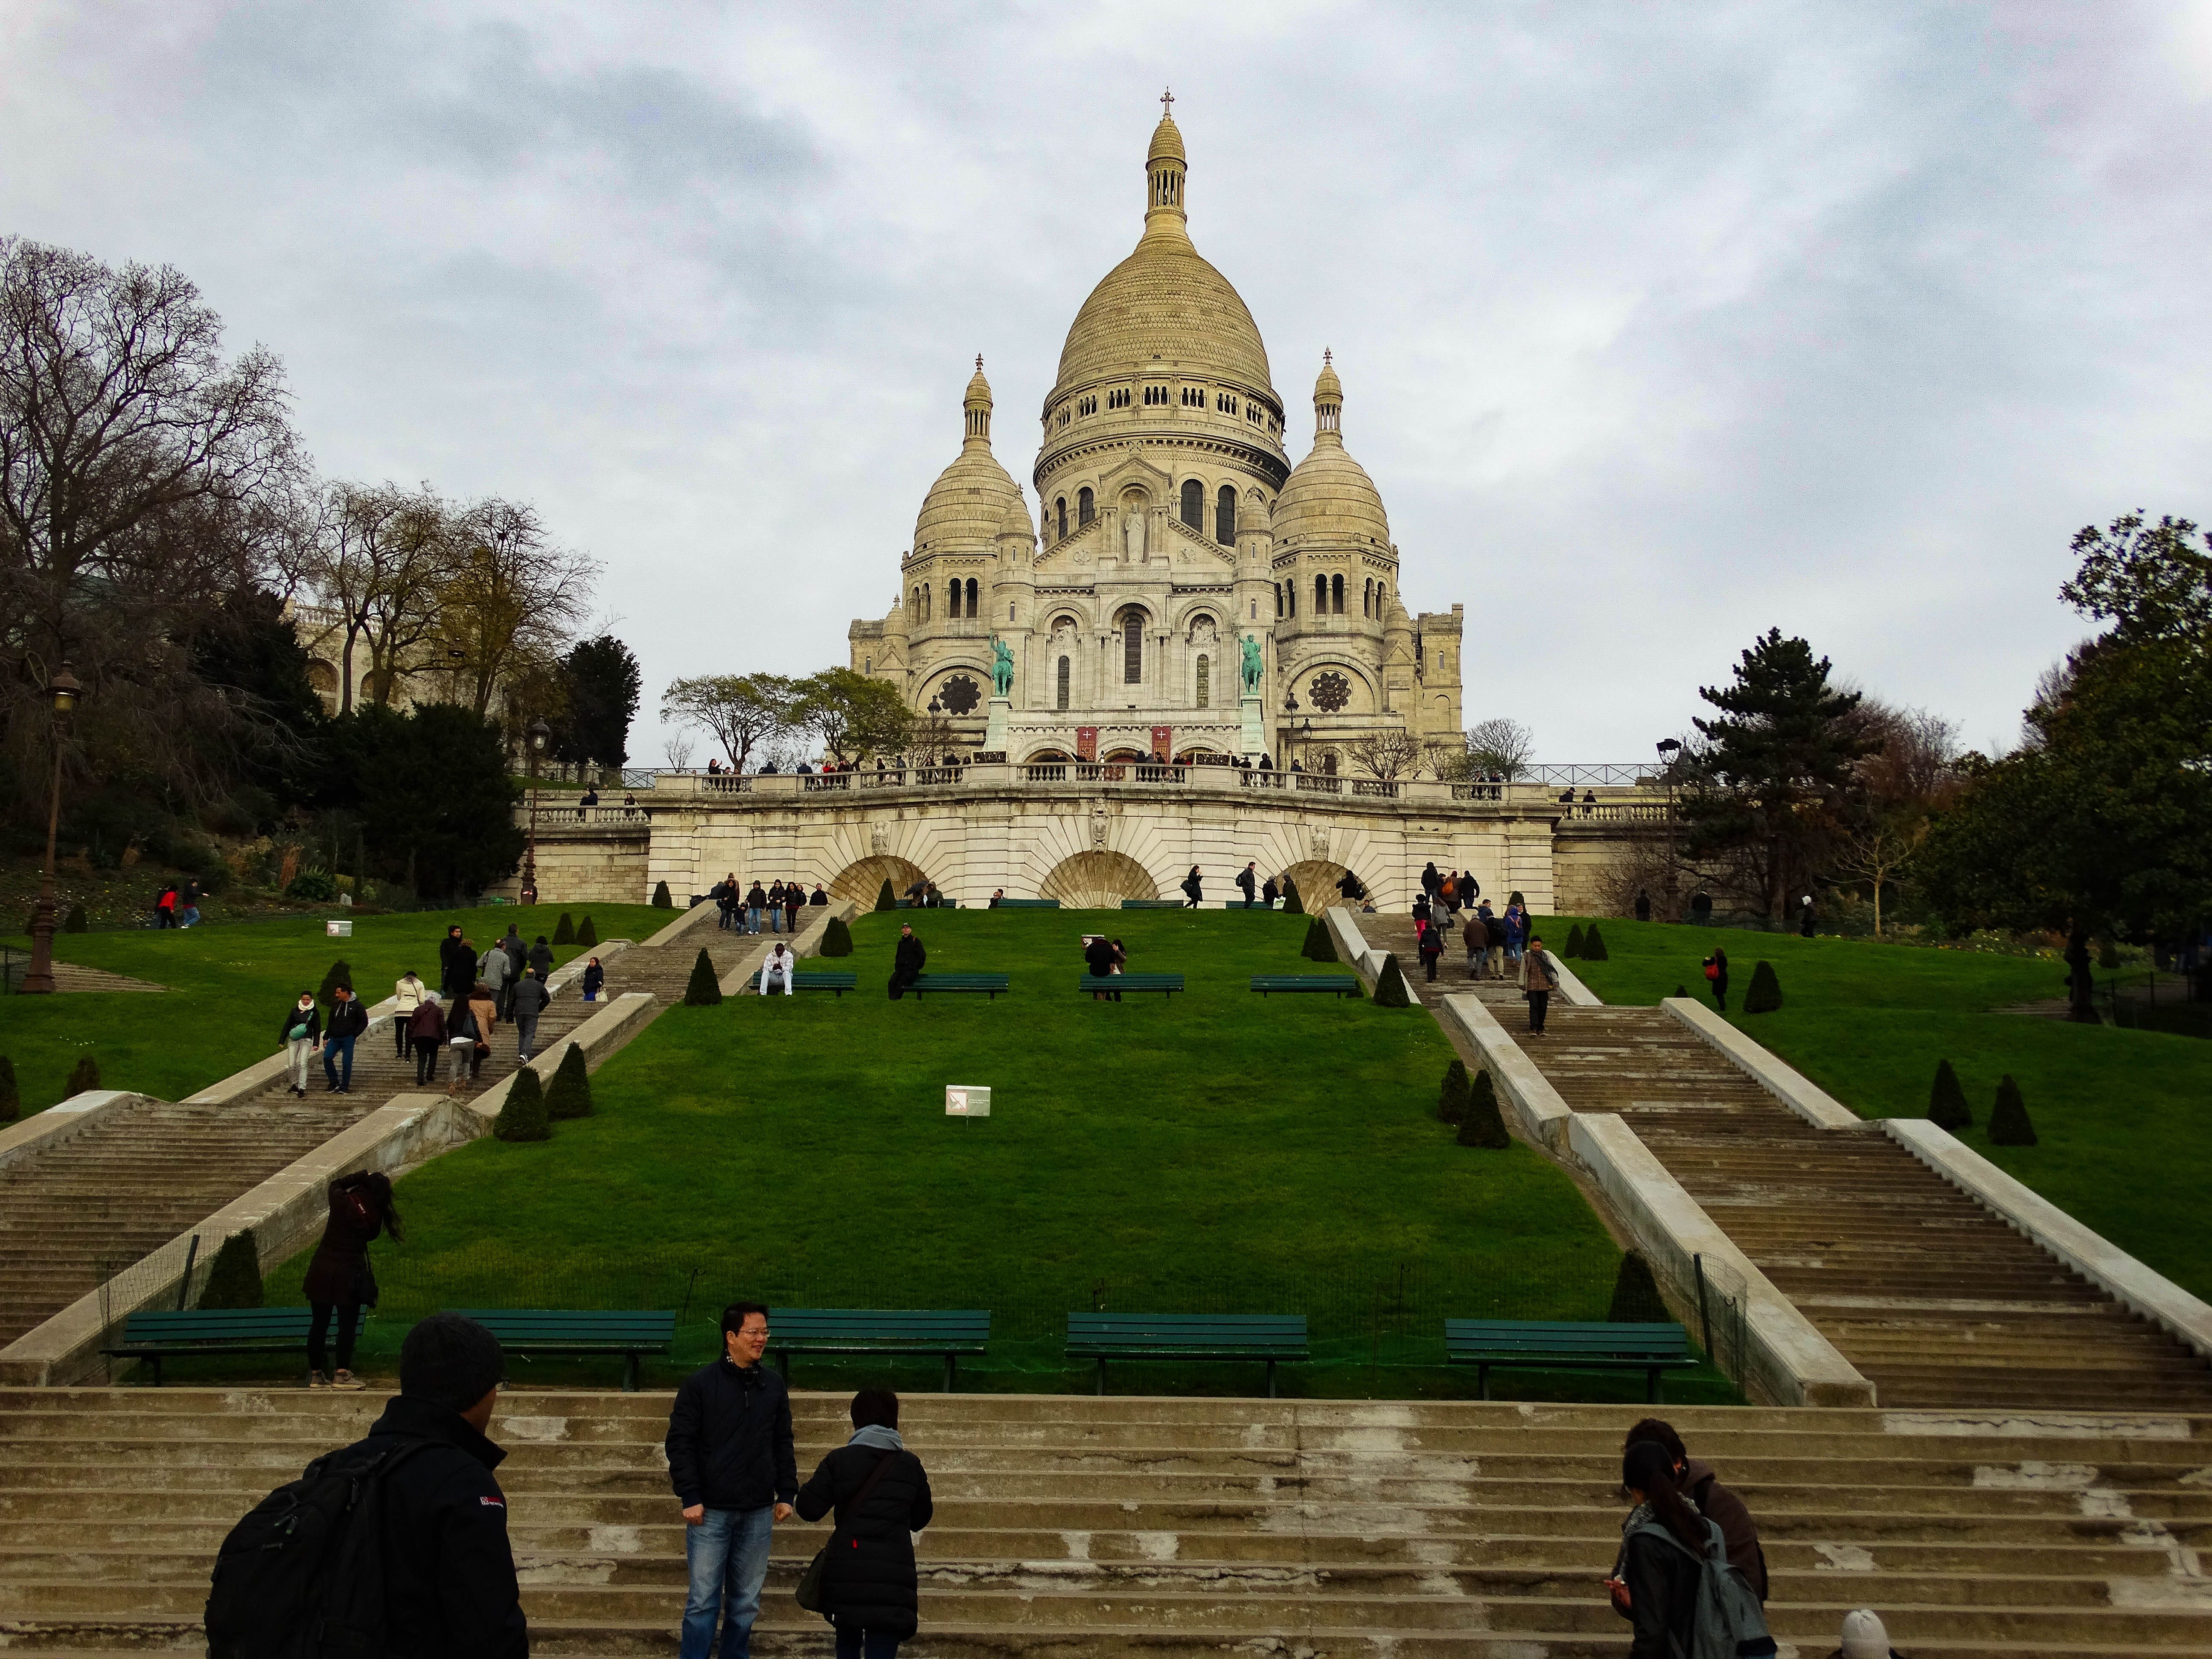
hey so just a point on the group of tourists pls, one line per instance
(744, 909)
(1504, 943)
(175, 906)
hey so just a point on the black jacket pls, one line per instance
(348, 1019)
(457, 965)
(531, 997)
(869, 1578)
(1098, 956)
(448, 1571)
(729, 1439)
(541, 958)
(1727, 1511)
(910, 956)
(1662, 1596)
(1246, 881)
(293, 1015)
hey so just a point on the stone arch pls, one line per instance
(861, 881)
(1050, 755)
(323, 680)
(1316, 880)
(1097, 881)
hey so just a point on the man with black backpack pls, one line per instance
(395, 1544)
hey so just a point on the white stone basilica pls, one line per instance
(1171, 527)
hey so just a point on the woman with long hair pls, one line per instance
(1665, 1546)
(339, 1277)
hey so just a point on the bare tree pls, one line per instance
(1500, 746)
(1900, 786)
(418, 552)
(677, 749)
(743, 711)
(512, 596)
(1384, 752)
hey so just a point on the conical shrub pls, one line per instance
(586, 934)
(564, 931)
(1635, 1299)
(524, 1117)
(11, 1097)
(77, 921)
(1593, 946)
(1574, 941)
(1452, 1099)
(234, 1278)
(1766, 993)
(83, 1076)
(1484, 1125)
(2008, 1124)
(836, 938)
(1292, 904)
(885, 898)
(660, 898)
(1946, 1100)
(1681, 990)
(1319, 946)
(1390, 986)
(570, 1094)
(705, 990)
(341, 974)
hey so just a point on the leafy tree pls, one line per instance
(604, 683)
(852, 715)
(249, 651)
(1484, 1125)
(705, 989)
(1946, 1100)
(1778, 759)
(84, 1077)
(660, 898)
(886, 899)
(11, 1097)
(511, 597)
(234, 1278)
(589, 933)
(1390, 985)
(569, 1095)
(1452, 1099)
(431, 792)
(1901, 788)
(1765, 995)
(524, 1116)
(2008, 1124)
(2149, 582)
(743, 712)
(836, 938)
(564, 931)
(1635, 1298)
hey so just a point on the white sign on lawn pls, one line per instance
(967, 1100)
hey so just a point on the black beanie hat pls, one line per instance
(450, 1359)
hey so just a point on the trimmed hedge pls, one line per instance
(1574, 946)
(836, 938)
(524, 1117)
(84, 1075)
(1593, 946)
(1319, 946)
(1452, 1099)
(661, 901)
(77, 921)
(564, 931)
(570, 1094)
(1390, 986)
(341, 974)
(705, 989)
(1294, 905)
(1484, 1125)
(587, 933)
(1946, 1100)
(1766, 993)
(234, 1278)
(2008, 1124)
(1635, 1299)
(885, 898)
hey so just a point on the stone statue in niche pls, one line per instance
(1132, 534)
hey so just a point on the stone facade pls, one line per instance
(1170, 526)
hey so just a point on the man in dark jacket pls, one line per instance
(531, 998)
(349, 1019)
(449, 1584)
(541, 959)
(518, 962)
(906, 966)
(1714, 1501)
(1250, 882)
(735, 1473)
(456, 964)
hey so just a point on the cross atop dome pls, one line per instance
(1167, 102)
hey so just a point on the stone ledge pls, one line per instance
(63, 1121)
(1577, 995)
(704, 912)
(1790, 1362)
(1538, 1111)
(1815, 1104)
(2103, 1263)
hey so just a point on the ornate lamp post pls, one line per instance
(62, 692)
(1669, 749)
(539, 733)
(1291, 725)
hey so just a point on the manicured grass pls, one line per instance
(2119, 1114)
(1217, 1153)
(229, 984)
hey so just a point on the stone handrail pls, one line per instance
(681, 788)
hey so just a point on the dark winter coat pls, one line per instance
(448, 1570)
(1663, 1597)
(456, 966)
(427, 1025)
(531, 998)
(1727, 1511)
(293, 1015)
(348, 1019)
(1246, 881)
(1098, 955)
(339, 1272)
(594, 977)
(869, 1580)
(729, 1439)
(820, 898)
(541, 959)
(1191, 888)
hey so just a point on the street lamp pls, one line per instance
(62, 692)
(539, 734)
(1291, 725)
(1669, 750)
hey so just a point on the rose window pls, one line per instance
(959, 695)
(1330, 691)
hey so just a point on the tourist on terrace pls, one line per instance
(301, 1035)
(871, 1591)
(907, 963)
(1248, 881)
(339, 1278)
(794, 899)
(1191, 888)
(406, 997)
(1539, 979)
(595, 979)
(1266, 764)
(426, 1029)
(1716, 967)
(821, 895)
(735, 1473)
(1697, 1483)
(349, 1019)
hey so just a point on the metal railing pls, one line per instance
(1604, 774)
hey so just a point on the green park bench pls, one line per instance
(1566, 1346)
(153, 1337)
(837, 983)
(1271, 1337)
(989, 984)
(1026, 904)
(1151, 904)
(1166, 984)
(1336, 985)
(916, 904)
(948, 1333)
(579, 1331)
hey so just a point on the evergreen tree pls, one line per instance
(836, 938)
(1484, 1125)
(564, 931)
(570, 1094)
(1681, 990)
(1765, 995)
(885, 898)
(76, 921)
(602, 679)
(1946, 1101)
(1593, 946)
(705, 989)
(1574, 941)
(84, 1077)
(340, 973)
(660, 899)
(525, 1116)
(2008, 1124)
(11, 1097)
(588, 934)
(234, 1278)
(1319, 946)
(1292, 904)
(1390, 985)
(1452, 1101)
(1635, 1299)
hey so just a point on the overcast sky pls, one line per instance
(1658, 324)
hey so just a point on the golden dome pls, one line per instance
(1328, 495)
(1167, 140)
(974, 497)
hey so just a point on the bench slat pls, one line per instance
(1342, 984)
(1167, 983)
(1567, 1345)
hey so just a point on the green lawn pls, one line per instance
(1219, 1152)
(2119, 1114)
(229, 984)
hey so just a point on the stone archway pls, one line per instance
(863, 881)
(1316, 880)
(1097, 881)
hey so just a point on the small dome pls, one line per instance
(965, 507)
(1167, 142)
(1016, 519)
(1328, 495)
(979, 389)
(1326, 386)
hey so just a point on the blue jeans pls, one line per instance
(752, 919)
(727, 1554)
(854, 1643)
(775, 918)
(332, 1047)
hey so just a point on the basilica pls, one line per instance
(1181, 590)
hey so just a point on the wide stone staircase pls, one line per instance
(1160, 1527)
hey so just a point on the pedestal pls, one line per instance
(994, 730)
(1255, 731)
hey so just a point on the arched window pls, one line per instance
(1086, 508)
(952, 598)
(1336, 583)
(1063, 685)
(1193, 505)
(1320, 596)
(1367, 597)
(1278, 599)
(973, 612)
(929, 602)
(1224, 517)
(1205, 681)
(1060, 507)
(1132, 647)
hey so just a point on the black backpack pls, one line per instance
(302, 1576)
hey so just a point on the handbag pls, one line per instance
(808, 1592)
(1712, 970)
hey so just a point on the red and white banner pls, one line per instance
(1164, 742)
(1086, 742)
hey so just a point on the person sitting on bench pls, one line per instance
(1098, 956)
(777, 972)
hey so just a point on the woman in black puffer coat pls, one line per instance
(869, 1584)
